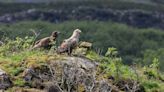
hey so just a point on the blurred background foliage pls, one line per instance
(133, 44)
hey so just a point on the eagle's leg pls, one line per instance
(69, 51)
(47, 47)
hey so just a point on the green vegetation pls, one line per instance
(14, 54)
(133, 44)
(114, 4)
(149, 76)
(115, 46)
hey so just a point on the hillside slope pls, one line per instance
(128, 12)
(136, 18)
(22, 70)
(133, 43)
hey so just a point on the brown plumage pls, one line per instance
(69, 44)
(46, 42)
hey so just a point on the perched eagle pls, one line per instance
(47, 41)
(70, 43)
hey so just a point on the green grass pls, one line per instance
(19, 82)
(15, 63)
(132, 43)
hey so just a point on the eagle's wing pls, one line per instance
(74, 43)
(37, 42)
(63, 47)
(42, 42)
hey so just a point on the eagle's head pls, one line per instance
(55, 34)
(77, 31)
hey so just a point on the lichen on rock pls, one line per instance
(82, 48)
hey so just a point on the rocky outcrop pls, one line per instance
(65, 73)
(5, 81)
(61, 73)
(137, 18)
(70, 74)
(82, 49)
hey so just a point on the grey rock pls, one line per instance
(51, 87)
(5, 81)
(28, 74)
(80, 51)
(68, 71)
(67, 74)
(104, 86)
(85, 44)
